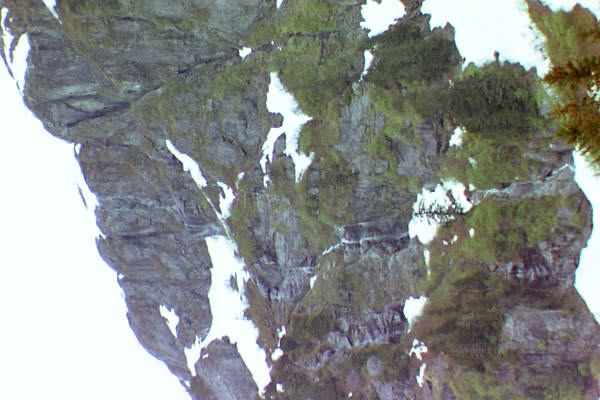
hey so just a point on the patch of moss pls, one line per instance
(486, 162)
(476, 385)
(318, 234)
(578, 220)
(306, 17)
(565, 382)
(462, 317)
(595, 365)
(297, 385)
(317, 71)
(328, 187)
(259, 310)
(394, 361)
(311, 327)
(282, 175)
(504, 230)
(401, 119)
(236, 78)
(244, 215)
(356, 287)
(96, 7)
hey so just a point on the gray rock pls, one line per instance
(222, 374)
(128, 77)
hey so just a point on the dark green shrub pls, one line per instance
(405, 55)
(496, 99)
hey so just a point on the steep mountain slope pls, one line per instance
(329, 252)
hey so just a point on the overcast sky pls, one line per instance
(64, 333)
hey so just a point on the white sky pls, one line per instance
(64, 333)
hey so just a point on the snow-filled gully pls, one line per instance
(227, 304)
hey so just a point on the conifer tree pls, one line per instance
(578, 85)
(573, 46)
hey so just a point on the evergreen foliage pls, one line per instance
(487, 162)
(497, 105)
(568, 35)
(495, 99)
(573, 46)
(463, 316)
(578, 110)
(405, 55)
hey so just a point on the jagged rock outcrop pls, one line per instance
(330, 257)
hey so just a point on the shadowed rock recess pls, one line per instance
(120, 77)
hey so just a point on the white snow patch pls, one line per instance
(227, 308)
(331, 248)
(454, 238)
(279, 387)
(587, 274)
(458, 192)
(281, 332)
(472, 232)
(19, 65)
(171, 317)
(189, 165)
(7, 37)
(413, 307)
(279, 100)
(120, 276)
(312, 281)
(226, 201)
(192, 355)
(368, 55)
(205, 356)
(350, 394)
(420, 226)
(244, 52)
(16, 59)
(472, 187)
(379, 16)
(276, 355)
(77, 148)
(90, 202)
(421, 376)
(418, 349)
(426, 228)
(51, 6)
(456, 139)
(239, 179)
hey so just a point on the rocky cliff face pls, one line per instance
(121, 77)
